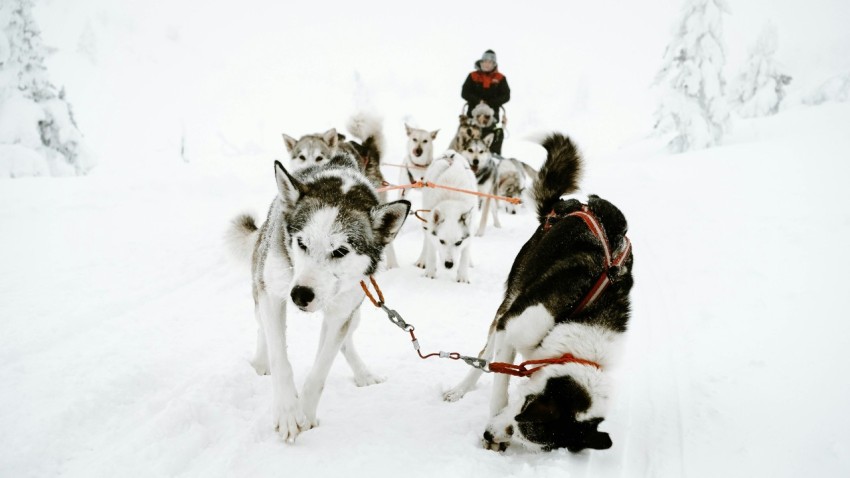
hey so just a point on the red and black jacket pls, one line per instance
(491, 87)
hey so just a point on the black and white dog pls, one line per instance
(325, 232)
(551, 312)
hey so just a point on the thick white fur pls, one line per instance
(451, 215)
(535, 335)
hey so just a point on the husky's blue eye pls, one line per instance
(301, 245)
(340, 252)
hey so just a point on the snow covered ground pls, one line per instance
(126, 329)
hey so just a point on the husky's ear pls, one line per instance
(388, 218)
(465, 217)
(330, 138)
(288, 187)
(408, 129)
(488, 140)
(595, 439)
(290, 142)
(436, 218)
(434, 134)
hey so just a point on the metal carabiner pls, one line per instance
(476, 362)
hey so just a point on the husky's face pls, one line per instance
(449, 227)
(555, 417)
(483, 115)
(420, 143)
(336, 230)
(467, 130)
(477, 152)
(311, 149)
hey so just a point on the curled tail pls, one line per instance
(559, 174)
(368, 129)
(242, 236)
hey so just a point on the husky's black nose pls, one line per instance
(449, 264)
(475, 162)
(302, 296)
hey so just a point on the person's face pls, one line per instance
(487, 65)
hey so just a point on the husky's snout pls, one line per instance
(417, 152)
(302, 296)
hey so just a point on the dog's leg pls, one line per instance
(392, 261)
(338, 319)
(497, 435)
(362, 375)
(463, 267)
(261, 356)
(287, 417)
(484, 215)
(468, 383)
(423, 256)
(496, 221)
(430, 259)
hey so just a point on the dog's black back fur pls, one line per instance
(559, 265)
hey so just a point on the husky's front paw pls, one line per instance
(454, 394)
(367, 379)
(289, 421)
(261, 366)
(431, 274)
(420, 264)
(463, 278)
(497, 440)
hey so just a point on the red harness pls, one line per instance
(604, 280)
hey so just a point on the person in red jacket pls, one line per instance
(486, 84)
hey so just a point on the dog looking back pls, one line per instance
(560, 405)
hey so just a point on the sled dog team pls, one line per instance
(328, 228)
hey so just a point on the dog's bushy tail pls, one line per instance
(242, 236)
(559, 174)
(368, 129)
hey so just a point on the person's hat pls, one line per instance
(489, 55)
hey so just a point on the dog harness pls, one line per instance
(612, 267)
(613, 263)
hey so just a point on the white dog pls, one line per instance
(450, 217)
(420, 153)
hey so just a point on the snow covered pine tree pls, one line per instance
(692, 102)
(760, 87)
(38, 134)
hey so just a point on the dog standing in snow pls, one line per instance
(551, 312)
(420, 153)
(485, 167)
(325, 232)
(450, 216)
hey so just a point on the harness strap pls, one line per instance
(521, 370)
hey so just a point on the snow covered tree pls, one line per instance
(38, 134)
(760, 87)
(693, 104)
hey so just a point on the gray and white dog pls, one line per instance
(325, 232)
(546, 314)
(485, 167)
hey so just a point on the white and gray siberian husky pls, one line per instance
(325, 231)
(542, 316)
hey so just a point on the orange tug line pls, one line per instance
(426, 184)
